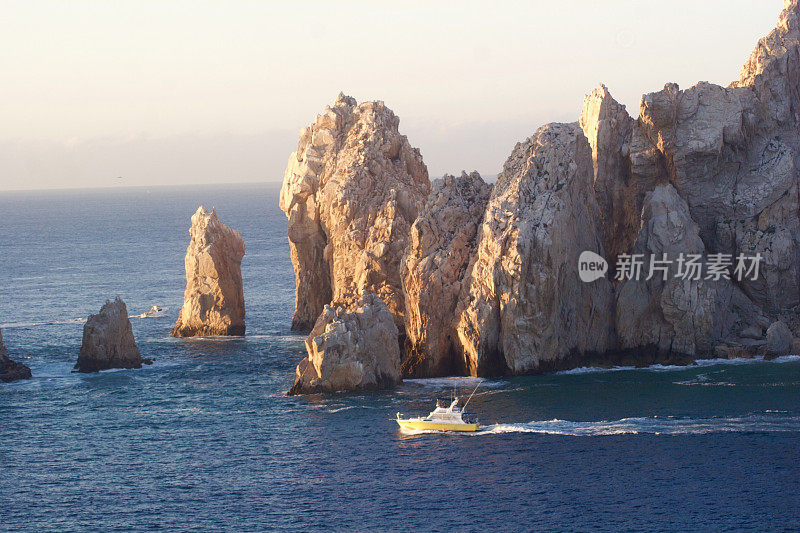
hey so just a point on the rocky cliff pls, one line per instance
(441, 246)
(11, 370)
(351, 192)
(213, 303)
(349, 349)
(108, 340)
(492, 286)
(523, 307)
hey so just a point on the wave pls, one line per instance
(699, 363)
(9, 325)
(340, 409)
(652, 425)
(455, 381)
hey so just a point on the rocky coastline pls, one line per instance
(398, 276)
(483, 280)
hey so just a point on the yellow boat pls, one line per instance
(443, 418)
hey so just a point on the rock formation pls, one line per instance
(710, 171)
(441, 245)
(524, 308)
(11, 370)
(351, 349)
(779, 340)
(213, 303)
(608, 128)
(108, 340)
(666, 313)
(351, 192)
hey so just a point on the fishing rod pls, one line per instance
(470, 396)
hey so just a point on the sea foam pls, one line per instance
(757, 423)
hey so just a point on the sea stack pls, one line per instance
(213, 303)
(351, 349)
(11, 370)
(108, 340)
(351, 192)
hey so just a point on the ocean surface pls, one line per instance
(204, 439)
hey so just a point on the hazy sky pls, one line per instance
(209, 92)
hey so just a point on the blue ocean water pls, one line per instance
(204, 439)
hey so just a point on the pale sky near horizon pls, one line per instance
(106, 93)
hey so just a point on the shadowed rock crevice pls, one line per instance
(441, 246)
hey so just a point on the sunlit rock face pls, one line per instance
(732, 153)
(608, 128)
(11, 370)
(441, 245)
(213, 303)
(492, 286)
(351, 192)
(523, 307)
(350, 349)
(108, 340)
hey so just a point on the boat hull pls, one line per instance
(422, 425)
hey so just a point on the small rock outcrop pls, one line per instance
(351, 192)
(779, 340)
(108, 340)
(524, 308)
(351, 349)
(441, 245)
(11, 370)
(213, 303)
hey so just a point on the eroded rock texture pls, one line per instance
(11, 370)
(108, 340)
(351, 192)
(608, 128)
(351, 349)
(732, 153)
(524, 308)
(213, 303)
(667, 311)
(441, 245)
(707, 170)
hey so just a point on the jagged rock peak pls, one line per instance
(441, 246)
(351, 192)
(11, 370)
(108, 340)
(777, 50)
(214, 297)
(350, 349)
(524, 308)
(608, 128)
